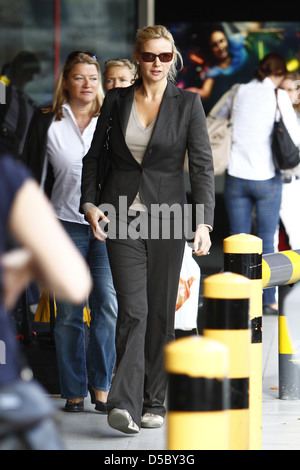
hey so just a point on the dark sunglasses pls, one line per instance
(163, 57)
(75, 53)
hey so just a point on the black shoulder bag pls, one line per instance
(285, 152)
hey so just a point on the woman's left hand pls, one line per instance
(202, 242)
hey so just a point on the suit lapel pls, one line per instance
(124, 103)
(168, 107)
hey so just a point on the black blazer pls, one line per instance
(180, 126)
(34, 151)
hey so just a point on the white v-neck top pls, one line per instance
(137, 139)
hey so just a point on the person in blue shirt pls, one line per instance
(46, 253)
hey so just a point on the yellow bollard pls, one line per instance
(288, 334)
(197, 417)
(226, 319)
(243, 255)
(280, 269)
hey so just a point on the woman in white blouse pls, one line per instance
(59, 136)
(252, 183)
(291, 178)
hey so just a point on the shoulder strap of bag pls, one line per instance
(233, 101)
(112, 99)
(277, 105)
(220, 103)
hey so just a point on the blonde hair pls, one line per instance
(158, 32)
(295, 77)
(119, 63)
(60, 96)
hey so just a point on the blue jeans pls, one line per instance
(241, 197)
(78, 366)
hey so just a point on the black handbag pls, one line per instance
(285, 152)
(38, 347)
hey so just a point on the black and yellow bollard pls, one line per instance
(288, 359)
(226, 319)
(197, 417)
(283, 269)
(280, 268)
(243, 255)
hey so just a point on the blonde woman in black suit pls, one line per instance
(152, 125)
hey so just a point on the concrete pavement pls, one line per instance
(280, 418)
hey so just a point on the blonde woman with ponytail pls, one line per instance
(153, 124)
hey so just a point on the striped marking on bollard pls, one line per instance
(280, 268)
(243, 255)
(226, 312)
(197, 417)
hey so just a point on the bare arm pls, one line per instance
(52, 258)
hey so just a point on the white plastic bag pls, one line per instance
(188, 293)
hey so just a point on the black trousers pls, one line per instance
(146, 273)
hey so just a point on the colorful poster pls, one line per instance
(218, 55)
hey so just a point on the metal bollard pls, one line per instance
(280, 268)
(197, 417)
(243, 255)
(283, 269)
(288, 342)
(226, 319)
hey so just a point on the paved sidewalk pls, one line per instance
(280, 418)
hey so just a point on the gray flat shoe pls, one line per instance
(122, 421)
(151, 420)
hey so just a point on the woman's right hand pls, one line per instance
(93, 216)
